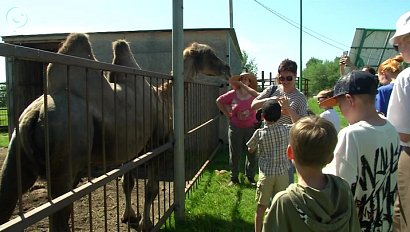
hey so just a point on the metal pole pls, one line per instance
(230, 14)
(301, 60)
(178, 110)
(231, 30)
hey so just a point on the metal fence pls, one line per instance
(267, 80)
(98, 200)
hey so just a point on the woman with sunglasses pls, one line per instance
(398, 113)
(293, 102)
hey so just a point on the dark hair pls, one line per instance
(288, 65)
(370, 69)
(271, 110)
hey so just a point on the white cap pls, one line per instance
(402, 26)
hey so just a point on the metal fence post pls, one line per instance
(178, 111)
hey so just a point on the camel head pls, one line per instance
(202, 59)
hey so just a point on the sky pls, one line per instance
(267, 30)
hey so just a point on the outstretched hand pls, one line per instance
(235, 82)
(284, 103)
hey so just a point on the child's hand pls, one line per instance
(284, 103)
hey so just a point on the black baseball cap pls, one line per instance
(354, 83)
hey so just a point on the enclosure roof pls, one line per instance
(371, 47)
(58, 37)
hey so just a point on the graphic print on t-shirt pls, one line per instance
(375, 189)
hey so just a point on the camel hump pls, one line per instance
(123, 54)
(77, 44)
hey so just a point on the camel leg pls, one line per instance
(128, 215)
(151, 191)
(8, 182)
(60, 185)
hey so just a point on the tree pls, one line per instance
(321, 74)
(248, 64)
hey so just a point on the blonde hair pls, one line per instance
(313, 140)
(392, 65)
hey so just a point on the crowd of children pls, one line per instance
(355, 179)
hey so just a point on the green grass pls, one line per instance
(213, 206)
(4, 139)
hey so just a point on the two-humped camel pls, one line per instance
(86, 115)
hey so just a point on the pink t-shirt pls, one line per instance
(242, 114)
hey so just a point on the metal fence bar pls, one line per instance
(32, 216)
(38, 55)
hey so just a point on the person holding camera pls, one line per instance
(345, 61)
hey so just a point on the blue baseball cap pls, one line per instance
(353, 83)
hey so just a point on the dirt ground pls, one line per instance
(87, 216)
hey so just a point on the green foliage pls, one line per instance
(321, 74)
(249, 65)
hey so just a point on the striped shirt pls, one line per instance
(297, 101)
(271, 143)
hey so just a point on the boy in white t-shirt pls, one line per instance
(329, 113)
(367, 151)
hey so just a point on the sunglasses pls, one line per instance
(396, 47)
(288, 78)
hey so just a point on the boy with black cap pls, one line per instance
(367, 152)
